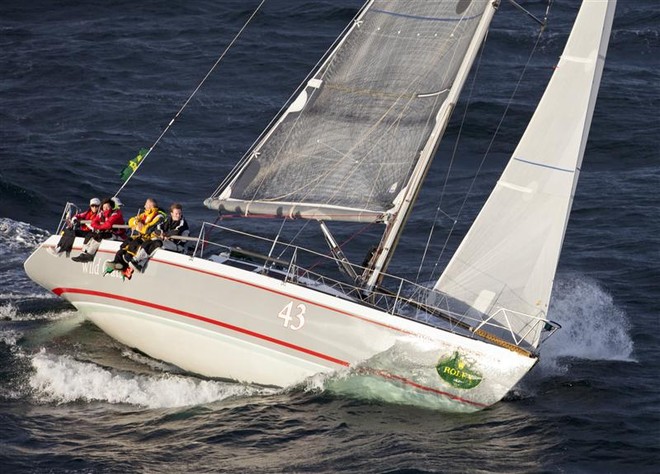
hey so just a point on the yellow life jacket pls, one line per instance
(145, 222)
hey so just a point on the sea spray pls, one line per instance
(10, 338)
(593, 327)
(8, 312)
(16, 236)
(17, 241)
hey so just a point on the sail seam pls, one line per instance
(543, 165)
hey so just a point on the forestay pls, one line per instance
(505, 266)
(347, 145)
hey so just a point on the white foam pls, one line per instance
(10, 312)
(593, 327)
(19, 236)
(46, 295)
(62, 379)
(11, 337)
(17, 241)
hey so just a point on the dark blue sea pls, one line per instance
(85, 84)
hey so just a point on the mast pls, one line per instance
(385, 250)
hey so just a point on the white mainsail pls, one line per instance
(348, 145)
(506, 264)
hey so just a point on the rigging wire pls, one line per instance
(528, 13)
(488, 149)
(438, 209)
(185, 104)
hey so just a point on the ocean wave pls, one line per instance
(10, 337)
(19, 237)
(23, 296)
(62, 379)
(11, 312)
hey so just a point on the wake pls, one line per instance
(62, 379)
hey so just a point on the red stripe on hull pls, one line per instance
(386, 375)
(60, 291)
(424, 388)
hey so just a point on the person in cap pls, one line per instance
(77, 226)
(82, 219)
(108, 224)
(117, 202)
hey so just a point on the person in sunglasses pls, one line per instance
(77, 226)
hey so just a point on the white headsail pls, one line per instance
(505, 266)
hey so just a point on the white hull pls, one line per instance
(220, 321)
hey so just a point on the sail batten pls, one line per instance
(512, 249)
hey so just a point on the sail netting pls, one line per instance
(505, 266)
(346, 146)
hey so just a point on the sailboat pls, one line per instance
(353, 147)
